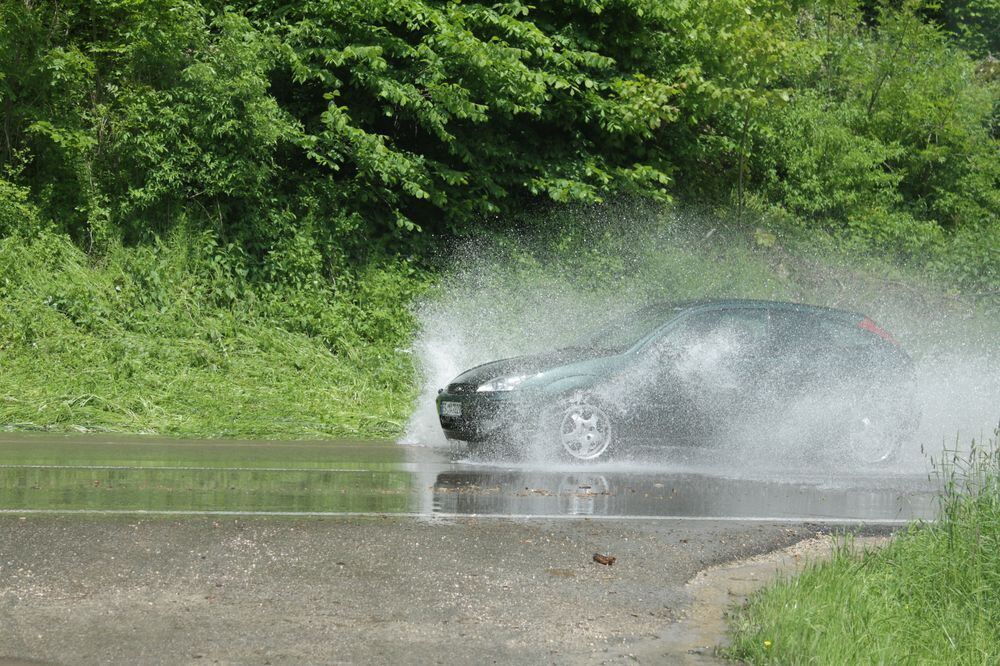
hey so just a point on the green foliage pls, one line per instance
(167, 338)
(731, 60)
(16, 211)
(424, 115)
(362, 123)
(830, 171)
(887, 139)
(198, 137)
(390, 116)
(971, 259)
(975, 24)
(930, 596)
(304, 160)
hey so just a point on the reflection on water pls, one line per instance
(205, 490)
(679, 495)
(45, 472)
(120, 450)
(121, 474)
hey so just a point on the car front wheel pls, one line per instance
(583, 428)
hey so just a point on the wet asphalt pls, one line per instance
(434, 558)
(390, 590)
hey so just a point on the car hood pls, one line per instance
(568, 360)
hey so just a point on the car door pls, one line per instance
(817, 355)
(706, 370)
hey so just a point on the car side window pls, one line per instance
(809, 334)
(736, 331)
(717, 351)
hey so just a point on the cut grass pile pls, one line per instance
(931, 596)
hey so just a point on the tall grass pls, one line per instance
(175, 338)
(931, 596)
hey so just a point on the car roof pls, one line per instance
(724, 303)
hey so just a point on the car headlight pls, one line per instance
(501, 384)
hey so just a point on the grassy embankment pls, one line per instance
(173, 339)
(931, 596)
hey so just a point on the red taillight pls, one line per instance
(870, 326)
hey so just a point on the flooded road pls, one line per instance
(99, 474)
(142, 550)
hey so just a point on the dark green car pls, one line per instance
(687, 373)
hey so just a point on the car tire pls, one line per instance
(877, 426)
(582, 428)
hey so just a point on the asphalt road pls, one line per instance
(152, 551)
(388, 590)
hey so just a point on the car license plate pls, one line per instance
(451, 409)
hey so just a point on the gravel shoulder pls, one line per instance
(355, 590)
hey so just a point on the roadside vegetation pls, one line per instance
(929, 597)
(170, 338)
(215, 217)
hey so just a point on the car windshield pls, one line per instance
(627, 330)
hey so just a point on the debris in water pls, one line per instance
(604, 559)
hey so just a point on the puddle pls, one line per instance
(681, 495)
(119, 474)
(99, 473)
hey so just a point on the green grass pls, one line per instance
(255, 381)
(932, 596)
(172, 339)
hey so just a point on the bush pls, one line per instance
(886, 141)
(16, 211)
(310, 138)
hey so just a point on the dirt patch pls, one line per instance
(702, 629)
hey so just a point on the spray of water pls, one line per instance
(510, 297)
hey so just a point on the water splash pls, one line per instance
(524, 295)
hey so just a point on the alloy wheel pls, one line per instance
(585, 431)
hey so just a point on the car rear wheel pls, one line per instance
(870, 440)
(583, 428)
(877, 428)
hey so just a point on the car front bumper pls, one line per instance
(482, 416)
